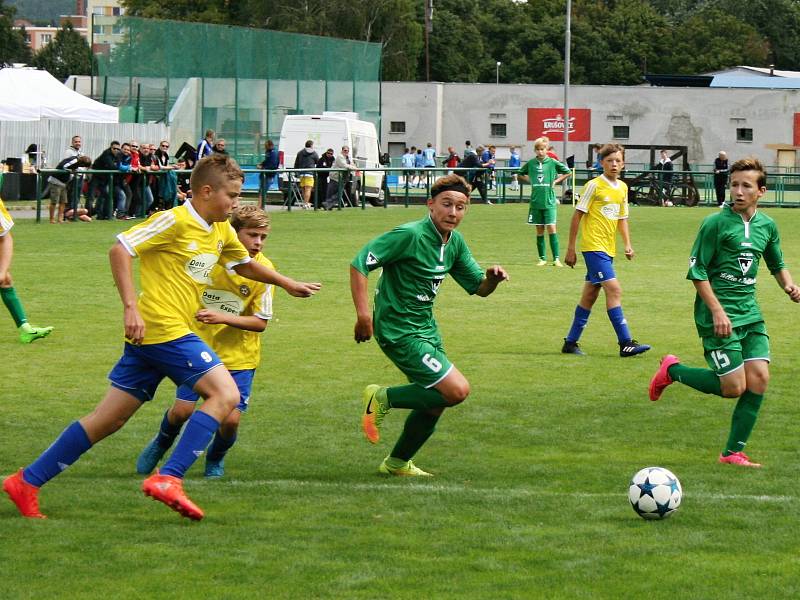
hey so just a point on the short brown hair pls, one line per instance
(607, 149)
(450, 182)
(213, 169)
(249, 217)
(751, 163)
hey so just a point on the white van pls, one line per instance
(334, 130)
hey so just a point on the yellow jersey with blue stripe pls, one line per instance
(605, 203)
(6, 222)
(231, 293)
(178, 249)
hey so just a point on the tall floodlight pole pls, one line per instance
(567, 45)
(428, 31)
(497, 74)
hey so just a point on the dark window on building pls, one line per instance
(498, 130)
(397, 127)
(621, 132)
(744, 134)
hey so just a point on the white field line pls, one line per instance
(407, 485)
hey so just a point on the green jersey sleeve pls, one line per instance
(561, 168)
(773, 255)
(465, 270)
(703, 250)
(384, 249)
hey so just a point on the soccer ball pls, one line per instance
(668, 203)
(655, 493)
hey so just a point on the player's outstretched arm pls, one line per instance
(122, 270)
(258, 272)
(625, 232)
(494, 276)
(6, 253)
(722, 323)
(570, 258)
(359, 290)
(246, 322)
(784, 279)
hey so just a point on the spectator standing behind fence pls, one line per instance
(58, 182)
(488, 161)
(419, 164)
(474, 175)
(75, 146)
(101, 188)
(666, 167)
(325, 162)
(338, 179)
(270, 163)
(721, 176)
(514, 163)
(306, 159)
(429, 155)
(407, 162)
(147, 164)
(206, 145)
(452, 160)
(219, 146)
(122, 191)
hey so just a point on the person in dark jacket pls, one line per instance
(270, 163)
(100, 187)
(721, 177)
(306, 159)
(476, 172)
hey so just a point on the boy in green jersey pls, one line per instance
(27, 333)
(415, 259)
(543, 173)
(723, 268)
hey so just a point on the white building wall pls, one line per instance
(704, 119)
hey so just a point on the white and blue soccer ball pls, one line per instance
(655, 493)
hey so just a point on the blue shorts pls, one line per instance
(599, 267)
(142, 368)
(243, 379)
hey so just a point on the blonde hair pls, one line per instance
(541, 142)
(213, 169)
(250, 217)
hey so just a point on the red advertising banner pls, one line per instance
(549, 122)
(796, 136)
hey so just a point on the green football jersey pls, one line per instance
(415, 261)
(542, 175)
(727, 253)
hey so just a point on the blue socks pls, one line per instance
(198, 433)
(578, 323)
(620, 324)
(167, 432)
(219, 447)
(68, 447)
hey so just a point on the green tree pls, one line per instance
(13, 48)
(67, 54)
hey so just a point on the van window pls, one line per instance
(364, 148)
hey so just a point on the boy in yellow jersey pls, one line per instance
(177, 249)
(600, 213)
(235, 312)
(27, 333)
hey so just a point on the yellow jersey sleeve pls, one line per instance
(6, 222)
(233, 251)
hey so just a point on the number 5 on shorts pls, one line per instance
(720, 359)
(430, 362)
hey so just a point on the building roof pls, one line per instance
(748, 81)
(755, 72)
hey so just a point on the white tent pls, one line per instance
(31, 95)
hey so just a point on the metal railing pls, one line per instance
(399, 187)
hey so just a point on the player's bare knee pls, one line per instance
(758, 382)
(732, 389)
(180, 412)
(457, 394)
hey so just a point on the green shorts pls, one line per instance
(542, 216)
(748, 342)
(422, 361)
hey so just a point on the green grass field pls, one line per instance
(530, 494)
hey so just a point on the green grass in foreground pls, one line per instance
(529, 498)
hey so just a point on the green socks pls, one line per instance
(540, 247)
(419, 426)
(13, 305)
(413, 396)
(554, 244)
(743, 421)
(703, 380)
